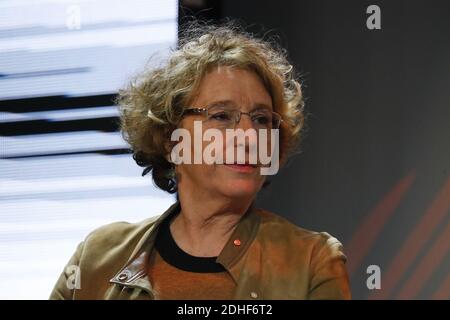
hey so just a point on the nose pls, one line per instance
(244, 121)
(251, 140)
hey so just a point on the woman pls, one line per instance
(213, 243)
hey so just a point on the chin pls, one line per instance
(236, 188)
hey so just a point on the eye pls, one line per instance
(262, 119)
(221, 116)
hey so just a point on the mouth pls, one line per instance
(246, 167)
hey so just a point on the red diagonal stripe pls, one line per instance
(415, 242)
(427, 265)
(443, 293)
(373, 223)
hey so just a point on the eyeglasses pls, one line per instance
(225, 117)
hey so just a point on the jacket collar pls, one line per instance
(134, 273)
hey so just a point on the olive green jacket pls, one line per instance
(273, 259)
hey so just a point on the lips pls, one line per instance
(242, 167)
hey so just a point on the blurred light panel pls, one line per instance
(64, 168)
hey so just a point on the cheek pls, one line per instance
(198, 173)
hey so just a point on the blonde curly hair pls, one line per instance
(151, 106)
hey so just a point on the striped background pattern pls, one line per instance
(422, 253)
(64, 168)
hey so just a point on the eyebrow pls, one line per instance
(256, 106)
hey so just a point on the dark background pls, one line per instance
(374, 164)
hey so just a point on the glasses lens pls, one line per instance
(262, 119)
(221, 117)
(266, 119)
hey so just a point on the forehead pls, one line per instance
(224, 83)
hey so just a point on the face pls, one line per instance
(244, 90)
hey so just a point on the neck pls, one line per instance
(205, 224)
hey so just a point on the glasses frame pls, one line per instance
(204, 110)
